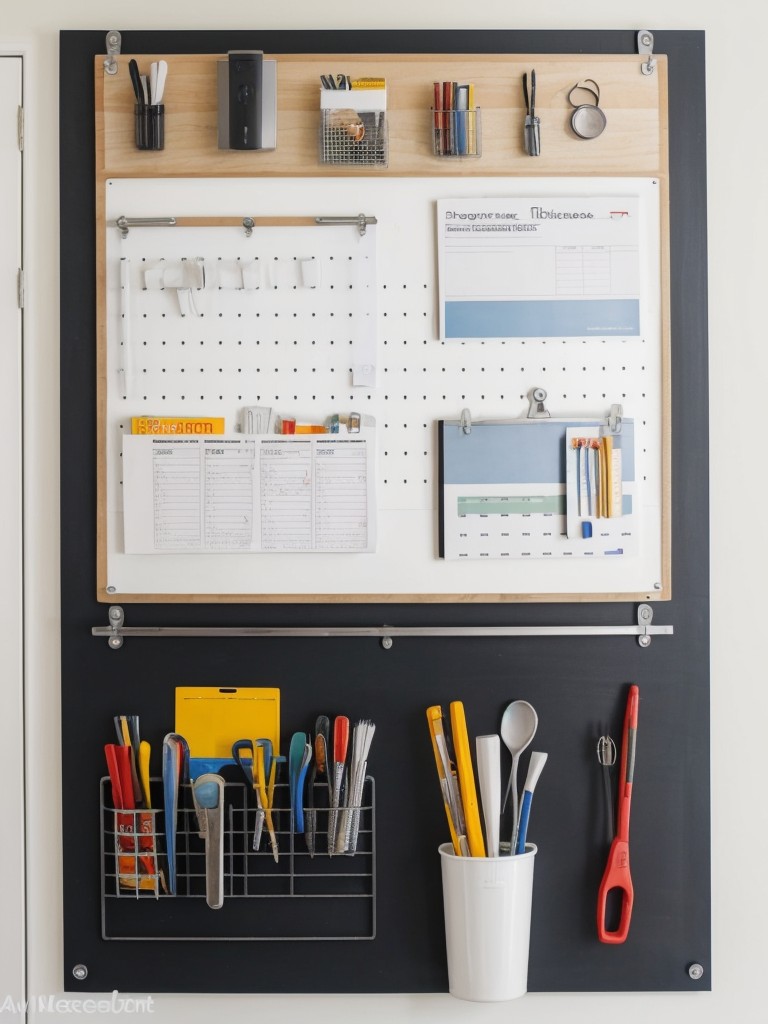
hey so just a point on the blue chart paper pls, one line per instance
(539, 268)
(504, 493)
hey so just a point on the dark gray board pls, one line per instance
(577, 684)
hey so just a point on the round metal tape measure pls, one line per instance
(587, 120)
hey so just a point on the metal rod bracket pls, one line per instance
(116, 620)
(111, 66)
(644, 620)
(645, 48)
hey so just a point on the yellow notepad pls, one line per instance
(211, 718)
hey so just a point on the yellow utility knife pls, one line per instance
(449, 785)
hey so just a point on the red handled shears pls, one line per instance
(617, 874)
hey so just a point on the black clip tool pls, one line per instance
(532, 129)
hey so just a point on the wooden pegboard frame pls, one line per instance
(634, 145)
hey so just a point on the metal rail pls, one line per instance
(117, 631)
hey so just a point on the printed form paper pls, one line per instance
(539, 268)
(260, 493)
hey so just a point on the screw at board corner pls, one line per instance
(695, 972)
(80, 972)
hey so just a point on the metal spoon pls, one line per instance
(518, 727)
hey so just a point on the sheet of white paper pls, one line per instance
(534, 267)
(266, 493)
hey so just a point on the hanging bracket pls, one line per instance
(116, 620)
(114, 40)
(645, 48)
(536, 409)
(615, 418)
(644, 620)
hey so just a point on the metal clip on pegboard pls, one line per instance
(302, 897)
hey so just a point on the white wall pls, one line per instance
(737, 103)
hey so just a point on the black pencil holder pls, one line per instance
(150, 126)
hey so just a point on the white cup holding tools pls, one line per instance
(487, 904)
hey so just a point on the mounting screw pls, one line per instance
(80, 972)
(695, 972)
(111, 590)
(644, 640)
(386, 642)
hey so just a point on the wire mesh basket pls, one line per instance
(135, 899)
(456, 133)
(354, 137)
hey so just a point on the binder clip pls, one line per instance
(587, 120)
(532, 128)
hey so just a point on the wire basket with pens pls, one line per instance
(455, 121)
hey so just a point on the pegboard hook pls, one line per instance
(536, 408)
(616, 418)
(114, 41)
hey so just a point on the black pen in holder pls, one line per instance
(150, 126)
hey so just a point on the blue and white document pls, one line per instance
(504, 493)
(536, 267)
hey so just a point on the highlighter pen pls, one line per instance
(466, 780)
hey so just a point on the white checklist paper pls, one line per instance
(259, 493)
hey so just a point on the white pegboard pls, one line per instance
(291, 346)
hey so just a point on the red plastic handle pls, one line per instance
(616, 876)
(340, 739)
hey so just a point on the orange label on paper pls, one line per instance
(177, 425)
